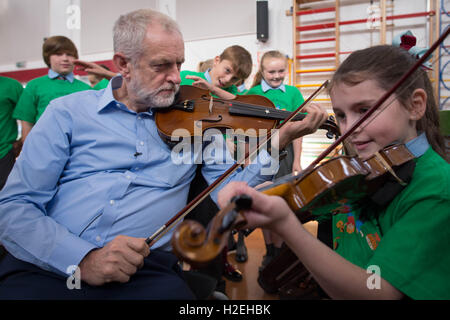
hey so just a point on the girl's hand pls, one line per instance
(316, 116)
(269, 212)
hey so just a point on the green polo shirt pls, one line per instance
(38, 94)
(409, 242)
(102, 84)
(288, 100)
(10, 91)
(231, 89)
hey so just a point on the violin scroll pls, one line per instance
(193, 244)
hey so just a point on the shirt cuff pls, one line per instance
(69, 252)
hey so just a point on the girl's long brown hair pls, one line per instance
(386, 64)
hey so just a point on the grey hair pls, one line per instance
(130, 29)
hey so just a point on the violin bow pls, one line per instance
(380, 101)
(200, 197)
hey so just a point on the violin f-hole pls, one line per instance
(219, 118)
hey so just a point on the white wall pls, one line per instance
(280, 38)
(209, 27)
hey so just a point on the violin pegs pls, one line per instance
(242, 202)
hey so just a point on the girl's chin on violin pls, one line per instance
(365, 149)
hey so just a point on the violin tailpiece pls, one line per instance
(380, 158)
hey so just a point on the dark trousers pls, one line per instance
(286, 163)
(159, 279)
(6, 165)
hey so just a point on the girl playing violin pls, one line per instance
(405, 243)
(269, 82)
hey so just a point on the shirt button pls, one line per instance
(111, 202)
(98, 238)
(141, 143)
(139, 118)
(128, 177)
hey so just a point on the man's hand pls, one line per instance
(117, 261)
(316, 115)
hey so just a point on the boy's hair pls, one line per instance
(386, 64)
(57, 45)
(240, 59)
(268, 54)
(130, 29)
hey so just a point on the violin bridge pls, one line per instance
(380, 158)
(210, 105)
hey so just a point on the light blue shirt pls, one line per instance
(419, 145)
(266, 87)
(208, 76)
(52, 75)
(90, 170)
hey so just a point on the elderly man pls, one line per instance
(94, 180)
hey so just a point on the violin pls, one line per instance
(195, 110)
(312, 194)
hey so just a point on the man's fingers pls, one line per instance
(139, 245)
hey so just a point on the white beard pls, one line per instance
(150, 98)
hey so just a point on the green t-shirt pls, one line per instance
(38, 94)
(409, 242)
(288, 100)
(102, 84)
(231, 89)
(10, 91)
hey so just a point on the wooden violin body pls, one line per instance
(195, 111)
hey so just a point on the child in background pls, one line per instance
(59, 54)
(204, 66)
(405, 241)
(269, 82)
(233, 65)
(10, 91)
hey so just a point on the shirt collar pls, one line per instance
(108, 97)
(419, 145)
(208, 76)
(265, 86)
(53, 75)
